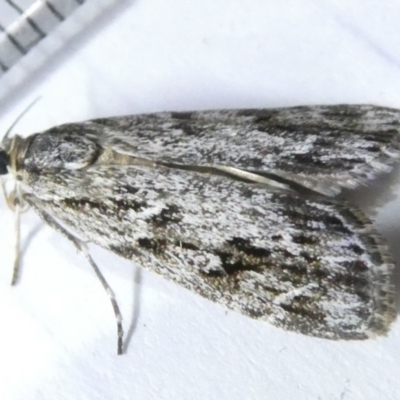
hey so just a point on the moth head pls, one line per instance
(4, 162)
(9, 146)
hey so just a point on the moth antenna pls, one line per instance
(9, 130)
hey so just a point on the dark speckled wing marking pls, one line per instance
(304, 264)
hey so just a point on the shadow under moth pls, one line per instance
(238, 206)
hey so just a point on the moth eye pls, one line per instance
(4, 162)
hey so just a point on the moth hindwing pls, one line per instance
(236, 206)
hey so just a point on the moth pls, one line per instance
(238, 206)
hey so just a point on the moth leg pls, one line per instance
(17, 219)
(48, 219)
(15, 201)
(8, 196)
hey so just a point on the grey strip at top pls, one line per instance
(31, 26)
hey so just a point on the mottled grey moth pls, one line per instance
(237, 206)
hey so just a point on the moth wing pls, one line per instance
(324, 148)
(303, 264)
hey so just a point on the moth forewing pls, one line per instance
(323, 148)
(230, 204)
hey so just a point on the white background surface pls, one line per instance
(57, 336)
